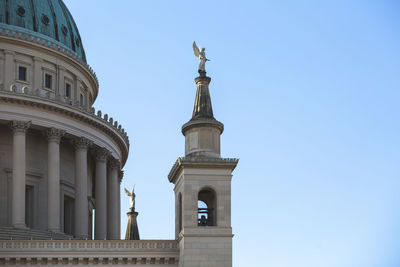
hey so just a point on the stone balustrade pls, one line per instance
(89, 252)
(87, 245)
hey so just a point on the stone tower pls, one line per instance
(202, 182)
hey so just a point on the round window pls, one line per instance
(21, 11)
(45, 19)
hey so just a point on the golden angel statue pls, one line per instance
(132, 196)
(201, 54)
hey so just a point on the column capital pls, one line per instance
(54, 134)
(101, 154)
(20, 126)
(37, 59)
(114, 164)
(9, 52)
(81, 143)
(120, 175)
(61, 68)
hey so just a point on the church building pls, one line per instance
(61, 161)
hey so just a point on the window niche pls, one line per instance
(207, 207)
(22, 73)
(68, 90)
(48, 81)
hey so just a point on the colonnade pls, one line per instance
(106, 185)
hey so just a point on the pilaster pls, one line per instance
(37, 73)
(61, 81)
(9, 69)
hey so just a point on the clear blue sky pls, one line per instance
(309, 93)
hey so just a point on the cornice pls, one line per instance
(200, 162)
(202, 122)
(109, 127)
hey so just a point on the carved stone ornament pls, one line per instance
(114, 164)
(120, 175)
(102, 154)
(82, 143)
(54, 134)
(20, 126)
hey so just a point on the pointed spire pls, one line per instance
(132, 230)
(202, 132)
(202, 104)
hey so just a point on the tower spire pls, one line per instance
(202, 182)
(202, 132)
(132, 230)
(202, 104)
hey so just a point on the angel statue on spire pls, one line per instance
(132, 196)
(201, 54)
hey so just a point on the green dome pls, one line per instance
(48, 19)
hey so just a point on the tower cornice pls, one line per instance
(200, 162)
(203, 122)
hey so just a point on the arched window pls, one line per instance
(207, 208)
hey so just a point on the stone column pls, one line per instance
(100, 228)
(18, 174)
(53, 179)
(81, 187)
(112, 194)
(9, 69)
(120, 177)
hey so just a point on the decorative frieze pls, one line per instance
(61, 252)
(54, 135)
(20, 126)
(89, 261)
